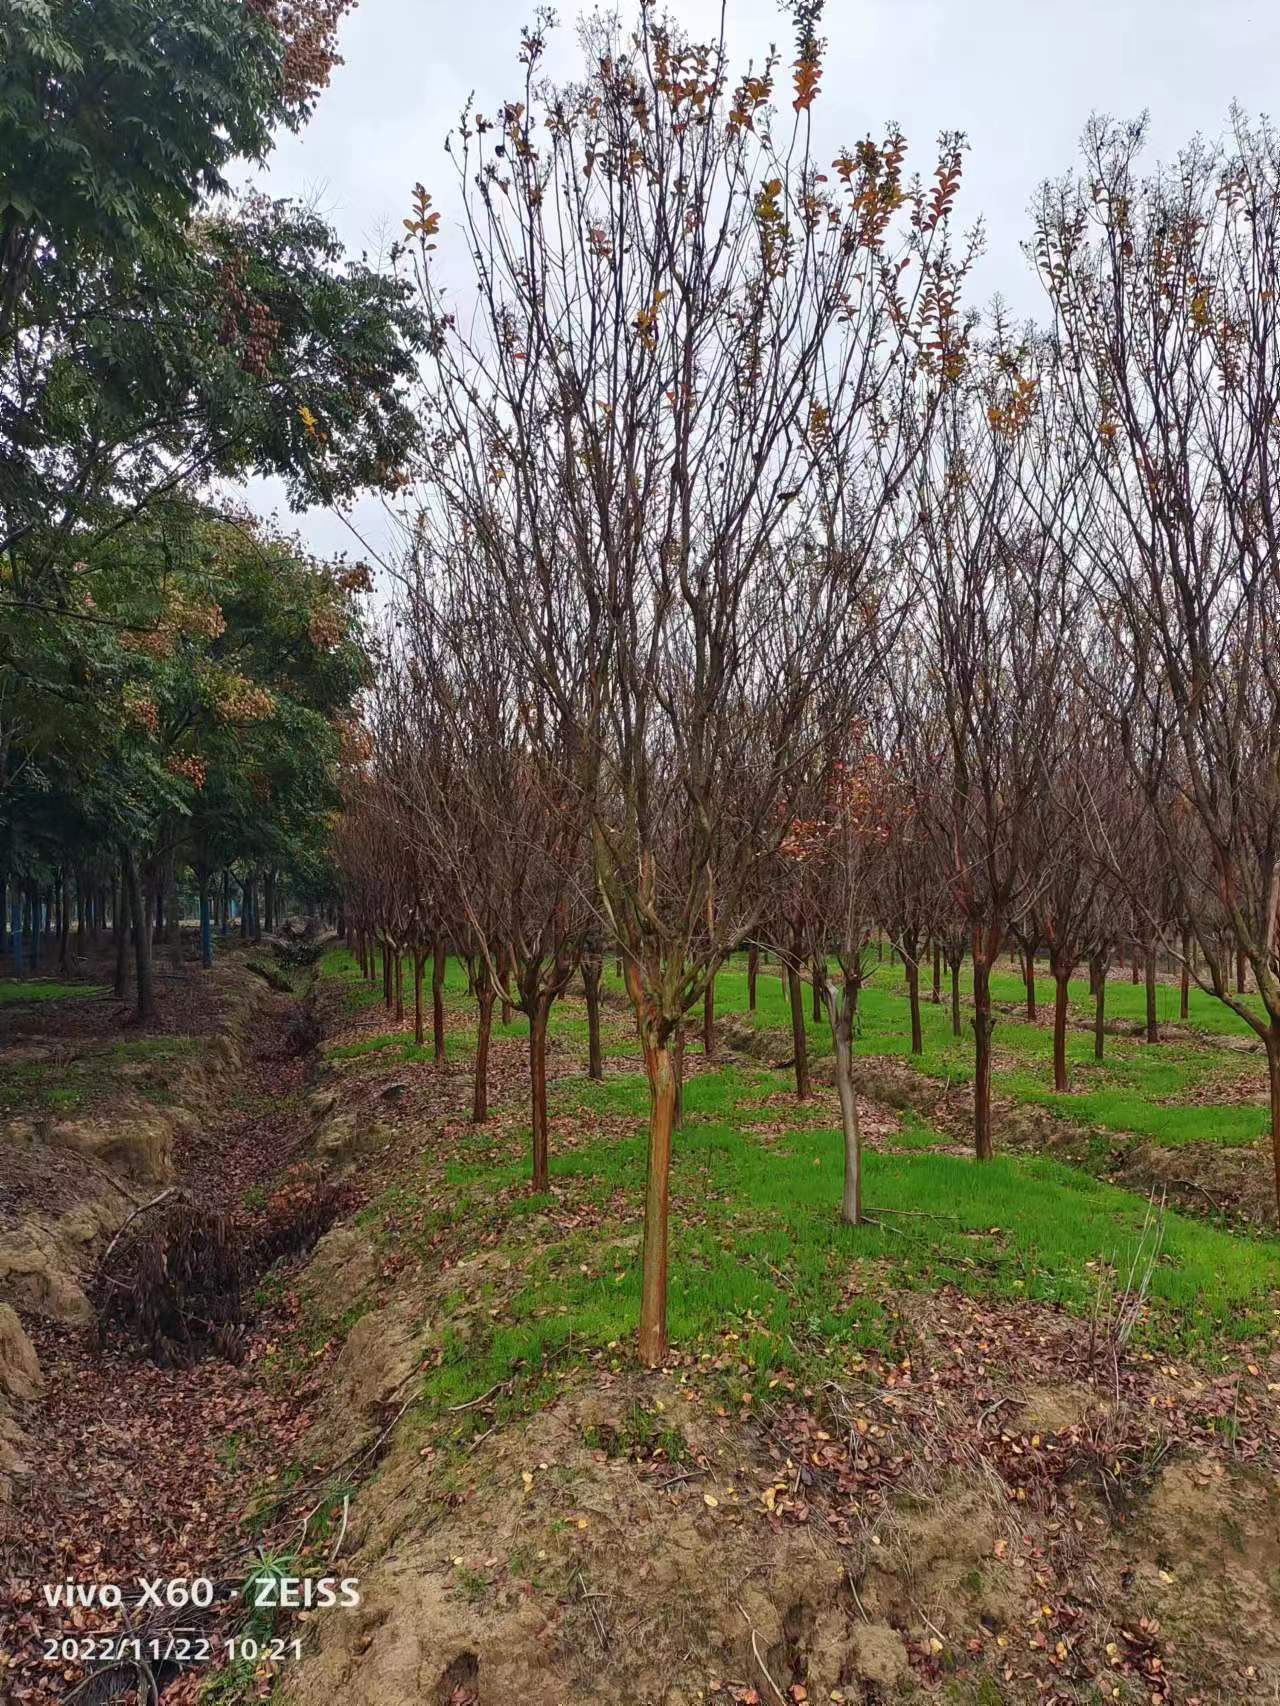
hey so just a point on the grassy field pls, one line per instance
(758, 1252)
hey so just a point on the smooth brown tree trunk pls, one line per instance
(1061, 979)
(753, 971)
(1137, 975)
(1153, 1031)
(799, 1038)
(419, 1017)
(387, 997)
(840, 1015)
(439, 965)
(538, 1092)
(591, 972)
(397, 973)
(1242, 971)
(1029, 978)
(1100, 1009)
(653, 1277)
(480, 1092)
(936, 993)
(956, 1029)
(1272, 1040)
(677, 1067)
(983, 1025)
(912, 967)
(1184, 988)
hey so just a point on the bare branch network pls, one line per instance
(754, 596)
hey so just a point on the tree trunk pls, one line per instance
(1060, 981)
(1153, 1031)
(799, 1038)
(538, 1091)
(709, 1020)
(439, 965)
(911, 965)
(753, 970)
(122, 938)
(677, 1068)
(1242, 971)
(817, 995)
(1184, 990)
(480, 1093)
(64, 923)
(1137, 976)
(983, 1025)
(145, 1006)
(1029, 978)
(388, 999)
(841, 1018)
(936, 993)
(173, 914)
(419, 1020)
(206, 924)
(653, 1279)
(592, 967)
(397, 976)
(956, 1029)
(1099, 1009)
(1272, 1041)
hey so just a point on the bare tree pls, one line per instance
(996, 626)
(701, 377)
(1167, 307)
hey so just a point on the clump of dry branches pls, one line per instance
(172, 1280)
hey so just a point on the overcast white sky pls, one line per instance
(1020, 77)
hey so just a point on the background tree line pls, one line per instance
(174, 675)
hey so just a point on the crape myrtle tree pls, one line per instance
(996, 621)
(1073, 869)
(1166, 301)
(496, 802)
(911, 884)
(698, 380)
(833, 856)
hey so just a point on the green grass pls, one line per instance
(40, 989)
(1154, 1092)
(1141, 1089)
(764, 1278)
(69, 1084)
(758, 1250)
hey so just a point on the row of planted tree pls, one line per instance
(753, 590)
(59, 919)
